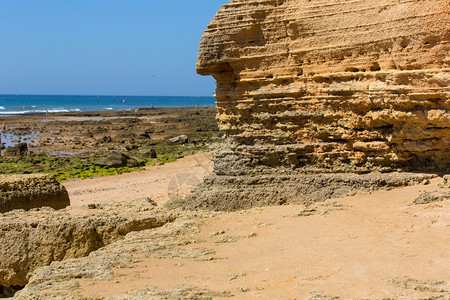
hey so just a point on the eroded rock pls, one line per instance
(229, 193)
(29, 240)
(31, 191)
(165, 242)
(344, 87)
(19, 150)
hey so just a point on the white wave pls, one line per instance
(1, 107)
(39, 111)
(55, 110)
(23, 112)
(109, 108)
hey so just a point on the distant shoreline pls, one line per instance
(18, 105)
(96, 112)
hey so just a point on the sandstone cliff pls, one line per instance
(330, 86)
(31, 191)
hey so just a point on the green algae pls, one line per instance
(70, 168)
(87, 141)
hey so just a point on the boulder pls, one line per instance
(19, 150)
(181, 139)
(35, 238)
(148, 153)
(117, 160)
(31, 191)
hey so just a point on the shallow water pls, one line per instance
(13, 105)
(10, 140)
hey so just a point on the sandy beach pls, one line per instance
(158, 183)
(372, 245)
(375, 245)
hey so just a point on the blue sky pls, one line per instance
(103, 47)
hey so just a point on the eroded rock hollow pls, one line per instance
(312, 87)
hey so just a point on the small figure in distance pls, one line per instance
(196, 106)
(137, 110)
(3, 126)
(153, 106)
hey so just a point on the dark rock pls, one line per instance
(131, 147)
(181, 139)
(144, 135)
(106, 139)
(148, 153)
(132, 163)
(19, 150)
(117, 160)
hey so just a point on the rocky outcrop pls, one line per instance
(32, 239)
(58, 280)
(31, 191)
(19, 150)
(358, 248)
(117, 160)
(225, 193)
(330, 87)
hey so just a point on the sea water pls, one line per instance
(11, 105)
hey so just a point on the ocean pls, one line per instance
(13, 105)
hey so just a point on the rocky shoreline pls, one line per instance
(329, 182)
(94, 144)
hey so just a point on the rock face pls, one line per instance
(31, 191)
(330, 87)
(32, 239)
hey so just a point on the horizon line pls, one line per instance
(102, 95)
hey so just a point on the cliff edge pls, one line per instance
(306, 88)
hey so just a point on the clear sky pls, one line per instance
(103, 47)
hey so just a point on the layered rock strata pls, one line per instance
(330, 86)
(31, 191)
(32, 239)
(173, 240)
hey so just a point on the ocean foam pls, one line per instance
(38, 111)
